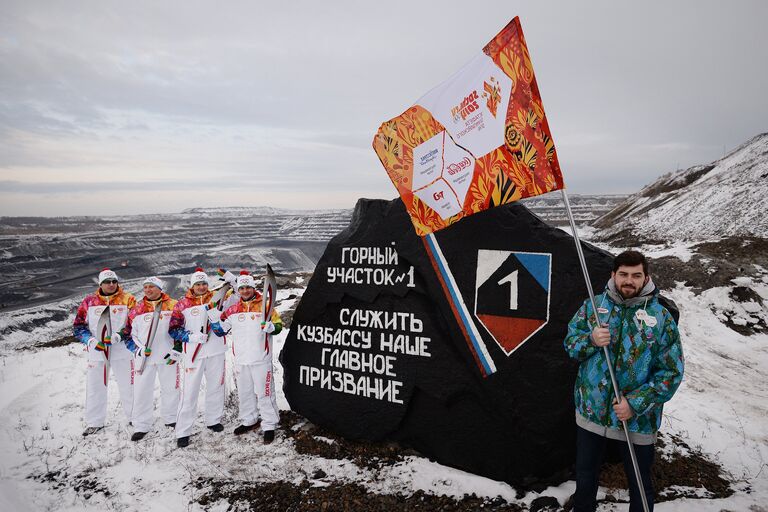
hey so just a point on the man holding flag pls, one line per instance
(644, 342)
(478, 140)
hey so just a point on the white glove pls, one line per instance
(115, 338)
(198, 337)
(230, 278)
(214, 315)
(91, 343)
(268, 327)
(172, 357)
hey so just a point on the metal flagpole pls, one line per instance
(616, 390)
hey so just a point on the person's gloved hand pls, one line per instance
(115, 338)
(142, 352)
(91, 343)
(103, 345)
(268, 327)
(214, 315)
(172, 357)
(198, 337)
(230, 278)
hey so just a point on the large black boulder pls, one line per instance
(378, 351)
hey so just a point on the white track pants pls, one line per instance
(213, 368)
(144, 395)
(96, 390)
(255, 386)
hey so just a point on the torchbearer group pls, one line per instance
(180, 343)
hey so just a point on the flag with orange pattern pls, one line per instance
(478, 140)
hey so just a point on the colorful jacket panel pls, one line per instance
(137, 327)
(648, 363)
(242, 324)
(87, 319)
(190, 315)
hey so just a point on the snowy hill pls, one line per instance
(724, 198)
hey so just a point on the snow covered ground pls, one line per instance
(45, 463)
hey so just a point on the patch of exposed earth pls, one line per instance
(714, 264)
(730, 273)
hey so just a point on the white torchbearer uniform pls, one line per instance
(120, 358)
(252, 350)
(138, 326)
(201, 360)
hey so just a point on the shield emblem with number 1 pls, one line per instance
(512, 295)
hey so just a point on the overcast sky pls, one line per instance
(140, 107)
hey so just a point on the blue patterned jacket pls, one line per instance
(647, 359)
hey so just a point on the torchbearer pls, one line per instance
(204, 354)
(251, 337)
(146, 335)
(99, 318)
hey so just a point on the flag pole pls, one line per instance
(606, 352)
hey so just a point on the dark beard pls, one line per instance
(634, 293)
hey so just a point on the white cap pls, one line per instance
(154, 281)
(107, 274)
(245, 279)
(199, 276)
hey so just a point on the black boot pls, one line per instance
(242, 429)
(269, 436)
(91, 430)
(171, 425)
(216, 428)
(138, 436)
(182, 442)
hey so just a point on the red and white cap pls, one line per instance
(106, 274)
(154, 281)
(245, 279)
(199, 276)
